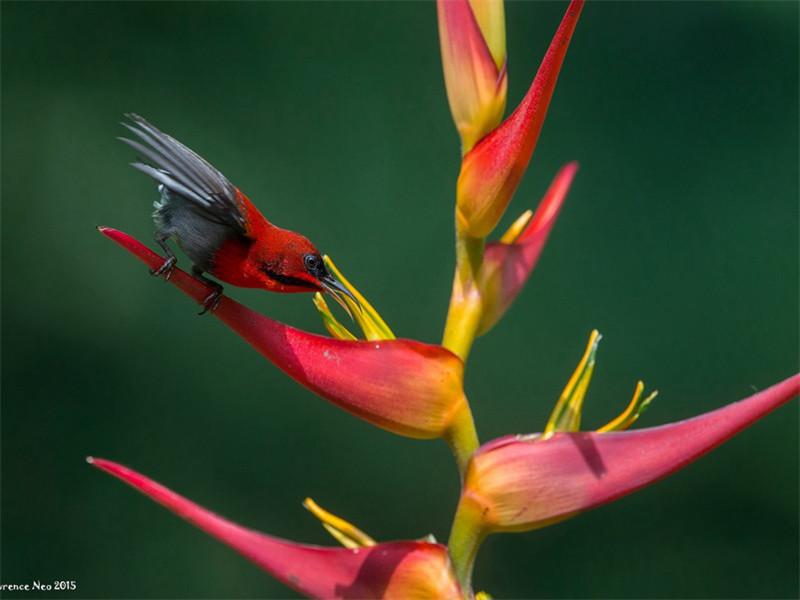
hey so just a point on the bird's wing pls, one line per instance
(185, 173)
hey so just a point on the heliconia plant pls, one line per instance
(510, 484)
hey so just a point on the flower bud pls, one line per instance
(491, 171)
(473, 41)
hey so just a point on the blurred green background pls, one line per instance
(679, 242)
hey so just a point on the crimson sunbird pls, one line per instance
(218, 227)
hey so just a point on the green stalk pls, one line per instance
(466, 303)
(465, 539)
(462, 437)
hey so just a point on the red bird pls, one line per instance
(219, 229)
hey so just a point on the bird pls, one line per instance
(219, 228)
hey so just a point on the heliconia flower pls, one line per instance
(472, 35)
(630, 415)
(567, 413)
(331, 323)
(518, 483)
(403, 386)
(406, 569)
(566, 416)
(347, 534)
(371, 323)
(491, 171)
(508, 263)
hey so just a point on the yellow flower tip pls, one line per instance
(371, 323)
(637, 406)
(320, 303)
(346, 534)
(331, 323)
(482, 596)
(567, 413)
(516, 229)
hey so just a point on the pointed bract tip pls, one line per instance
(109, 232)
(509, 262)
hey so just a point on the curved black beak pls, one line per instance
(336, 289)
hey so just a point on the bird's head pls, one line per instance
(295, 265)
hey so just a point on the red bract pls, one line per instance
(507, 266)
(406, 569)
(404, 386)
(518, 483)
(491, 171)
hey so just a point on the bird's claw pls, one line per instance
(167, 267)
(212, 301)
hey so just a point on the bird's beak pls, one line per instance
(336, 289)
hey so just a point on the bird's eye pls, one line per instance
(311, 261)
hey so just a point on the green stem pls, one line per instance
(466, 303)
(469, 252)
(462, 436)
(465, 539)
(463, 319)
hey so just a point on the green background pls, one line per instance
(679, 242)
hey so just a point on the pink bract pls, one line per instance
(405, 569)
(518, 483)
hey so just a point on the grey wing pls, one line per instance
(183, 172)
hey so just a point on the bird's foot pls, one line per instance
(167, 267)
(211, 301)
(169, 261)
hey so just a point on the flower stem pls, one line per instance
(466, 303)
(462, 437)
(465, 539)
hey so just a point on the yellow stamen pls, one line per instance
(516, 229)
(346, 534)
(332, 324)
(567, 413)
(629, 416)
(366, 316)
